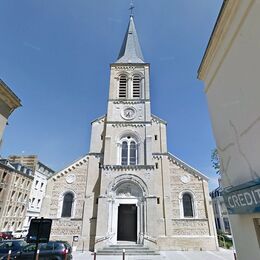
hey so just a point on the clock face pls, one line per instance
(128, 113)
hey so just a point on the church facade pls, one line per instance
(129, 188)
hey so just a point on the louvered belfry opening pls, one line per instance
(136, 86)
(122, 86)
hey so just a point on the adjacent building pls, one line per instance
(220, 212)
(129, 188)
(8, 103)
(230, 70)
(15, 187)
(40, 173)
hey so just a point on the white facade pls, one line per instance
(230, 70)
(220, 212)
(129, 188)
(37, 193)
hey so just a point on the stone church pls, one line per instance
(129, 188)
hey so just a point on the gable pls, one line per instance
(172, 158)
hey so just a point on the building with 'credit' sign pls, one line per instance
(230, 70)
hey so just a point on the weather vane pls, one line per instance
(131, 7)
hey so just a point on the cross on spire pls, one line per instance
(131, 8)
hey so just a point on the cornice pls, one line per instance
(100, 119)
(8, 96)
(157, 120)
(172, 158)
(129, 101)
(128, 124)
(70, 168)
(127, 167)
(129, 65)
(221, 27)
(10, 169)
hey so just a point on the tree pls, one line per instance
(215, 160)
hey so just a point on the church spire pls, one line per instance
(130, 51)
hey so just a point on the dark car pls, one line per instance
(14, 245)
(53, 250)
(6, 235)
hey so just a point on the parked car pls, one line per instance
(6, 235)
(20, 233)
(14, 245)
(53, 250)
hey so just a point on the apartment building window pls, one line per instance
(13, 195)
(33, 199)
(36, 184)
(4, 177)
(9, 210)
(16, 210)
(42, 185)
(38, 202)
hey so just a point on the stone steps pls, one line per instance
(130, 249)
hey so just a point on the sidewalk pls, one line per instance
(223, 254)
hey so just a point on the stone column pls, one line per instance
(151, 215)
(102, 223)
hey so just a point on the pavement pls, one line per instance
(223, 254)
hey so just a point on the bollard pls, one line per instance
(123, 254)
(9, 255)
(37, 254)
(66, 254)
(95, 254)
(235, 255)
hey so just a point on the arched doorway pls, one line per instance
(127, 211)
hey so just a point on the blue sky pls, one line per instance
(55, 56)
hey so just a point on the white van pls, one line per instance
(20, 233)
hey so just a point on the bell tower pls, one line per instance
(129, 112)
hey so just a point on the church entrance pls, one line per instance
(127, 222)
(126, 211)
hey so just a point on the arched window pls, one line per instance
(187, 205)
(68, 200)
(128, 151)
(136, 86)
(124, 157)
(122, 86)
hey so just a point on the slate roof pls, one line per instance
(130, 51)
